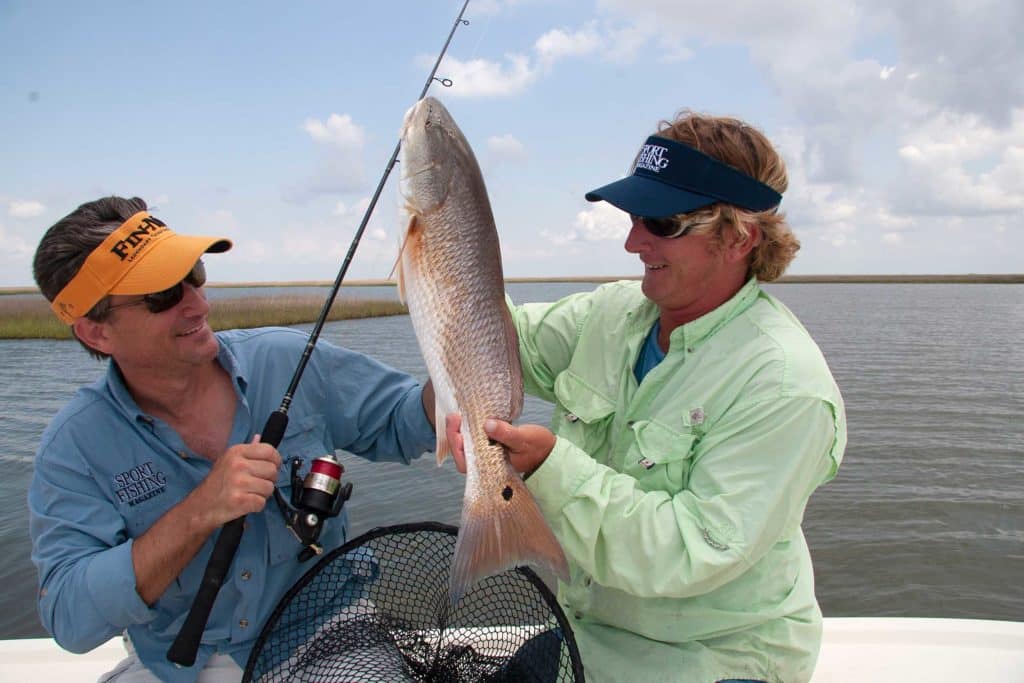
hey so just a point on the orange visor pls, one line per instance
(140, 257)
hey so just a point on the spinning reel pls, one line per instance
(315, 499)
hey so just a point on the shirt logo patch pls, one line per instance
(139, 484)
(697, 416)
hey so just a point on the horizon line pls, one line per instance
(938, 278)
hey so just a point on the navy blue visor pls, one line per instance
(670, 178)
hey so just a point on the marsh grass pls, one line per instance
(31, 317)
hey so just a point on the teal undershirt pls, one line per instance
(650, 355)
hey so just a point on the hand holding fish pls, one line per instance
(529, 445)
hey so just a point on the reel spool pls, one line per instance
(315, 499)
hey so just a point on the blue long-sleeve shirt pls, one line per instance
(105, 472)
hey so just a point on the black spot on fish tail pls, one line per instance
(506, 493)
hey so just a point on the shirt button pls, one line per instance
(586, 581)
(631, 423)
(571, 418)
(246, 575)
(243, 623)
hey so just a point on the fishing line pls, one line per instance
(184, 648)
(483, 33)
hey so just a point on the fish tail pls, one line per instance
(500, 532)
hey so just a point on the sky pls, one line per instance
(901, 122)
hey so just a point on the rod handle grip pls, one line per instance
(185, 646)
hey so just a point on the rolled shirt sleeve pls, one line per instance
(87, 579)
(372, 410)
(743, 495)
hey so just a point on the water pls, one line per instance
(926, 517)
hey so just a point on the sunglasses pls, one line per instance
(669, 227)
(159, 302)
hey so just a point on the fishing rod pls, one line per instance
(305, 522)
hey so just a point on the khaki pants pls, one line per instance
(220, 669)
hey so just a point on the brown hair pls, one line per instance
(66, 245)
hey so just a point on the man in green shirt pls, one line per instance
(694, 416)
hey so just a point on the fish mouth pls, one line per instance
(417, 119)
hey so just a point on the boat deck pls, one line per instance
(880, 650)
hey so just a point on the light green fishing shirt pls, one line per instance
(678, 501)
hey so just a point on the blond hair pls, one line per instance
(747, 150)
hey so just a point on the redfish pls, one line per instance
(450, 277)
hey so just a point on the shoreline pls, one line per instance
(31, 317)
(949, 278)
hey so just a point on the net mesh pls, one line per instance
(377, 609)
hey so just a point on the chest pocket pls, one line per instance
(304, 439)
(660, 456)
(582, 415)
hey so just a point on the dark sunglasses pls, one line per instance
(159, 302)
(669, 227)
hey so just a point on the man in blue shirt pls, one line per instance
(136, 474)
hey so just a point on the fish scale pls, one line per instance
(450, 277)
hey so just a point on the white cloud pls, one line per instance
(340, 168)
(506, 148)
(355, 210)
(252, 251)
(338, 130)
(962, 164)
(25, 209)
(600, 222)
(492, 7)
(557, 44)
(489, 78)
(887, 219)
(483, 78)
(222, 222)
(17, 250)
(309, 246)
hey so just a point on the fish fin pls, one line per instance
(502, 528)
(412, 232)
(443, 449)
(515, 371)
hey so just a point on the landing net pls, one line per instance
(377, 609)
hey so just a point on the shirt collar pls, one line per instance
(126, 402)
(695, 332)
(228, 361)
(119, 392)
